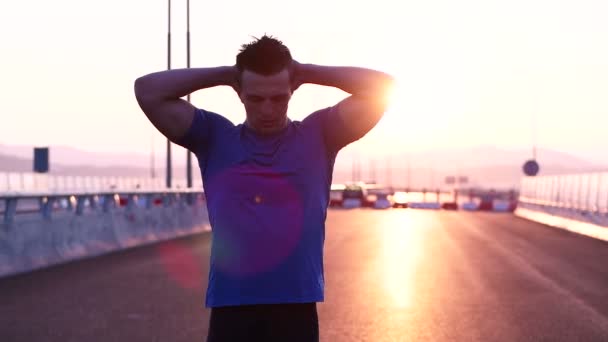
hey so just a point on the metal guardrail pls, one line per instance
(582, 193)
(14, 203)
(43, 182)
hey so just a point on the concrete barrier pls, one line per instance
(579, 225)
(575, 202)
(425, 205)
(32, 241)
(470, 206)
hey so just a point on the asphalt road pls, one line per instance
(395, 275)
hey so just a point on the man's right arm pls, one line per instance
(160, 95)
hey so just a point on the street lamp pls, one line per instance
(168, 173)
(188, 153)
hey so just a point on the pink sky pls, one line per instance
(472, 72)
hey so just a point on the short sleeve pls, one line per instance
(336, 132)
(200, 134)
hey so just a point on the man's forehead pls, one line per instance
(258, 85)
(266, 91)
(253, 79)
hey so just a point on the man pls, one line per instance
(266, 181)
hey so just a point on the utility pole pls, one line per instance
(152, 161)
(188, 153)
(168, 171)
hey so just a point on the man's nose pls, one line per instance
(267, 107)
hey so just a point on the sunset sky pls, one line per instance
(470, 72)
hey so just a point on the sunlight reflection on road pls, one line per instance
(402, 250)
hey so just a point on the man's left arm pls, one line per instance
(369, 92)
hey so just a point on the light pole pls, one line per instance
(389, 180)
(152, 161)
(372, 177)
(168, 172)
(188, 154)
(409, 174)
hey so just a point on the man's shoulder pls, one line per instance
(214, 117)
(318, 117)
(215, 124)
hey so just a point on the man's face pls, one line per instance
(266, 99)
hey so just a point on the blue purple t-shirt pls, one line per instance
(267, 198)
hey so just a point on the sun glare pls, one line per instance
(402, 254)
(414, 120)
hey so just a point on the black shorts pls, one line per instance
(268, 322)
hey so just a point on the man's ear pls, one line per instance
(236, 83)
(294, 76)
(237, 89)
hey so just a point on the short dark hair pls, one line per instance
(265, 56)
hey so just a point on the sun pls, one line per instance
(414, 118)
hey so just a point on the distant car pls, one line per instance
(335, 195)
(353, 197)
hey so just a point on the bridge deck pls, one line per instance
(395, 275)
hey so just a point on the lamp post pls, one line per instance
(168, 172)
(188, 153)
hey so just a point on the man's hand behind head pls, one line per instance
(295, 71)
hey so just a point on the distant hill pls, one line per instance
(17, 164)
(485, 166)
(10, 163)
(69, 156)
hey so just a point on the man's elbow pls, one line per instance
(145, 93)
(388, 78)
(379, 98)
(139, 87)
(388, 84)
(380, 91)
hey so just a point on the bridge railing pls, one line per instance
(584, 194)
(46, 204)
(40, 229)
(47, 193)
(28, 182)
